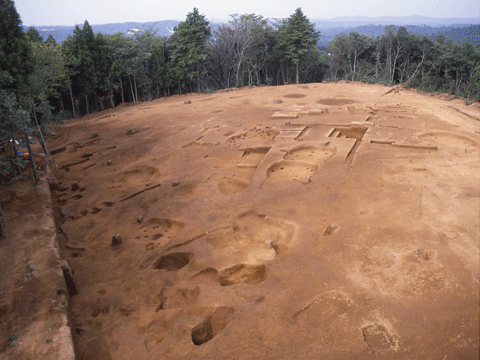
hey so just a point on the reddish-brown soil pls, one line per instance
(344, 226)
(33, 295)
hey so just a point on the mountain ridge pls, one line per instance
(328, 27)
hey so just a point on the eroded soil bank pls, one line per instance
(296, 222)
(34, 323)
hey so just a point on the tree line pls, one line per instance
(400, 57)
(45, 82)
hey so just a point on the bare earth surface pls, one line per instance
(33, 295)
(298, 222)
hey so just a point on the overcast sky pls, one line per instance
(71, 12)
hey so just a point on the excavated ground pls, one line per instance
(295, 222)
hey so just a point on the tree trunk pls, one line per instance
(136, 91)
(2, 225)
(71, 97)
(354, 65)
(121, 88)
(34, 113)
(39, 134)
(416, 70)
(297, 77)
(86, 104)
(237, 75)
(131, 88)
(9, 159)
(395, 64)
(32, 160)
(111, 99)
(15, 155)
(198, 79)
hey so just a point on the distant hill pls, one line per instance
(356, 21)
(457, 33)
(457, 29)
(60, 33)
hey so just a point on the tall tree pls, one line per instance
(248, 35)
(188, 44)
(33, 35)
(347, 53)
(150, 60)
(48, 75)
(339, 56)
(72, 63)
(83, 46)
(16, 56)
(130, 60)
(221, 58)
(113, 43)
(156, 63)
(295, 36)
(393, 44)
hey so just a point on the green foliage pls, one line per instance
(296, 35)
(349, 55)
(12, 340)
(187, 45)
(33, 35)
(248, 37)
(315, 66)
(50, 40)
(149, 60)
(12, 117)
(85, 53)
(399, 57)
(95, 71)
(294, 38)
(50, 65)
(49, 76)
(16, 58)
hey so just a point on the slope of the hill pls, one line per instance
(296, 222)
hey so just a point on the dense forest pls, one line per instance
(43, 82)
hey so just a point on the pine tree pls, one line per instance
(33, 35)
(51, 40)
(188, 46)
(89, 64)
(49, 76)
(16, 57)
(295, 37)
